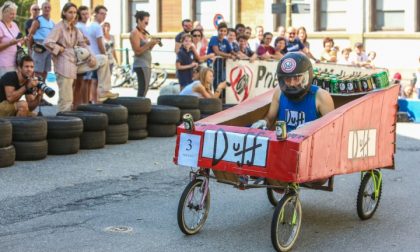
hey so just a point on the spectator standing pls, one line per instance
(142, 47)
(109, 42)
(187, 27)
(203, 88)
(97, 46)
(231, 37)
(185, 61)
(198, 41)
(41, 27)
(358, 57)
(244, 51)
(293, 44)
(329, 55)
(34, 13)
(9, 38)
(265, 51)
(240, 29)
(255, 43)
(220, 47)
(280, 48)
(61, 42)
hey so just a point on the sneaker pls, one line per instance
(107, 95)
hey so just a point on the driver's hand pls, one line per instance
(260, 124)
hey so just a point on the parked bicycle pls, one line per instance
(158, 76)
(123, 75)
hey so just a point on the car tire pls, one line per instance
(29, 151)
(134, 105)
(92, 140)
(28, 129)
(117, 134)
(63, 146)
(210, 106)
(117, 114)
(180, 101)
(137, 122)
(137, 134)
(5, 133)
(161, 114)
(161, 130)
(63, 127)
(92, 121)
(7, 156)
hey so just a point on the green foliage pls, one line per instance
(23, 12)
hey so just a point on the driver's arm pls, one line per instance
(324, 102)
(271, 116)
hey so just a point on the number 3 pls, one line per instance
(189, 145)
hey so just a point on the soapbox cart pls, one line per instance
(358, 136)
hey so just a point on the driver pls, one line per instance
(296, 101)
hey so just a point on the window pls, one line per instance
(332, 15)
(388, 15)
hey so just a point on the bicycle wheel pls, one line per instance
(274, 195)
(191, 217)
(161, 78)
(287, 219)
(153, 78)
(367, 202)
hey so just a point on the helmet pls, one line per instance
(295, 64)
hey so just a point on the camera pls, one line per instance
(41, 85)
(160, 41)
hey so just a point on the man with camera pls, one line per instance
(15, 84)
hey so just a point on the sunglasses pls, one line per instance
(36, 9)
(196, 35)
(292, 33)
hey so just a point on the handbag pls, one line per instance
(38, 48)
(20, 52)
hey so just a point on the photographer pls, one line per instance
(15, 84)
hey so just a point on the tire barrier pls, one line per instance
(162, 121)
(7, 156)
(180, 101)
(29, 136)
(63, 134)
(7, 150)
(209, 106)
(94, 126)
(138, 108)
(117, 129)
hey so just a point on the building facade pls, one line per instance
(390, 28)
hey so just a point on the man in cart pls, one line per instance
(296, 101)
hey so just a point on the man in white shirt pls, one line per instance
(358, 57)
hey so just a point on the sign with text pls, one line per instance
(242, 149)
(189, 148)
(362, 143)
(248, 80)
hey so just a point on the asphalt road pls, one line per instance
(72, 203)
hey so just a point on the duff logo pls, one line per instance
(240, 78)
(288, 65)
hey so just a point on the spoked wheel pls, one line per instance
(192, 216)
(274, 195)
(367, 199)
(157, 78)
(287, 219)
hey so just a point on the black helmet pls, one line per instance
(295, 64)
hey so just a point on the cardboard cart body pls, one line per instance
(357, 136)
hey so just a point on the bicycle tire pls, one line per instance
(183, 205)
(153, 78)
(363, 195)
(283, 220)
(272, 196)
(161, 78)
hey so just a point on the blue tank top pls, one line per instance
(296, 113)
(45, 27)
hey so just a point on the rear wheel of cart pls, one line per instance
(367, 199)
(287, 219)
(192, 216)
(274, 195)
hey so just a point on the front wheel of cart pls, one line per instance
(287, 219)
(274, 195)
(192, 209)
(369, 194)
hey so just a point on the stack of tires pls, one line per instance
(29, 137)
(117, 129)
(63, 134)
(186, 104)
(162, 121)
(7, 150)
(94, 126)
(138, 108)
(209, 106)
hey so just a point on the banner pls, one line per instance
(248, 80)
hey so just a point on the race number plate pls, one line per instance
(242, 149)
(189, 148)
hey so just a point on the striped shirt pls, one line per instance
(64, 35)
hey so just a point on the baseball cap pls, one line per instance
(397, 76)
(358, 44)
